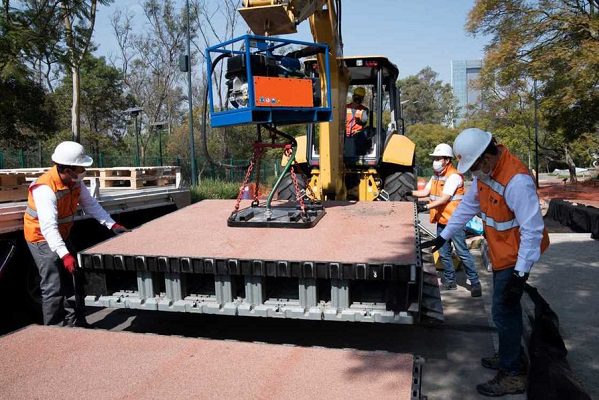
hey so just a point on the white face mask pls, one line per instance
(438, 166)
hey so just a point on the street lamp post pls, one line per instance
(536, 133)
(135, 111)
(194, 178)
(159, 127)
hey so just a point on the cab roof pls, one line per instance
(363, 68)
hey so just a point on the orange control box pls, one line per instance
(283, 92)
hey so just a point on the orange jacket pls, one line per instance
(67, 199)
(354, 112)
(500, 225)
(442, 213)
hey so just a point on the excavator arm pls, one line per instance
(278, 17)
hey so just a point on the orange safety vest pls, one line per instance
(67, 199)
(354, 111)
(500, 225)
(442, 213)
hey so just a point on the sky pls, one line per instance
(413, 34)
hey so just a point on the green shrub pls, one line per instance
(214, 189)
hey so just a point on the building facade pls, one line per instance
(464, 75)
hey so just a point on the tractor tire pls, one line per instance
(286, 190)
(399, 186)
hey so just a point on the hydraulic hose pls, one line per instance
(287, 166)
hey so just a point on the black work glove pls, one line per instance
(421, 207)
(437, 243)
(514, 289)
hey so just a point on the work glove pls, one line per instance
(118, 229)
(437, 243)
(421, 207)
(514, 289)
(69, 262)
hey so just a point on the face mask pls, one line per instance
(480, 174)
(438, 166)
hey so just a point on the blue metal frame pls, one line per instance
(252, 114)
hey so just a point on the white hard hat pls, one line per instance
(442, 150)
(71, 154)
(469, 146)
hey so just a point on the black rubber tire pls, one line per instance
(399, 186)
(286, 190)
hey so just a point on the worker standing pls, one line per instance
(446, 189)
(51, 208)
(504, 193)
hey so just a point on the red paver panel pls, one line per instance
(359, 232)
(68, 363)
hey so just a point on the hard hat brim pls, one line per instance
(439, 155)
(85, 161)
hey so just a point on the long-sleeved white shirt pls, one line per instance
(47, 214)
(521, 197)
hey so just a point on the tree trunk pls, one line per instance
(75, 109)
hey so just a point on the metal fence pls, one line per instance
(36, 159)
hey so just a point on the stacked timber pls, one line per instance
(13, 187)
(14, 183)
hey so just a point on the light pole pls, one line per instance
(194, 178)
(159, 127)
(135, 111)
(534, 88)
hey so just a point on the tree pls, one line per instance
(79, 18)
(426, 137)
(149, 62)
(101, 102)
(556, 43)
(427, 100)
(26, 114)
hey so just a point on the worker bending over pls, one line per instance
(446, 189)
(505, 195)
(51, 208)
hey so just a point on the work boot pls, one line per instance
(503, 384)
(490, 362)
(476, 290)
(450, 286)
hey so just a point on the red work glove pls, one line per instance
(70, 263)
(118, 229)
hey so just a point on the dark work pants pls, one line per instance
(508, 320)
(62, 293)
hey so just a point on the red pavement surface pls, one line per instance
(69, 363)
(583, 193)
(359, 232)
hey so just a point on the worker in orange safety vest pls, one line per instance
(356, 114)
(504, 194)
(446, 189)
(51, 208)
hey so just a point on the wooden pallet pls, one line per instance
(119, 177)
(14, 193)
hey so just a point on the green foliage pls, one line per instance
(553, 41)
(427, 137)
(102, 103)
(427, 100)
(214, 189)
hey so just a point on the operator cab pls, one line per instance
(377, 75)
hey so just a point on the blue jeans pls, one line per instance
(508, 320)
(461, 249)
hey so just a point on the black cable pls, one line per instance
(204, 123)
